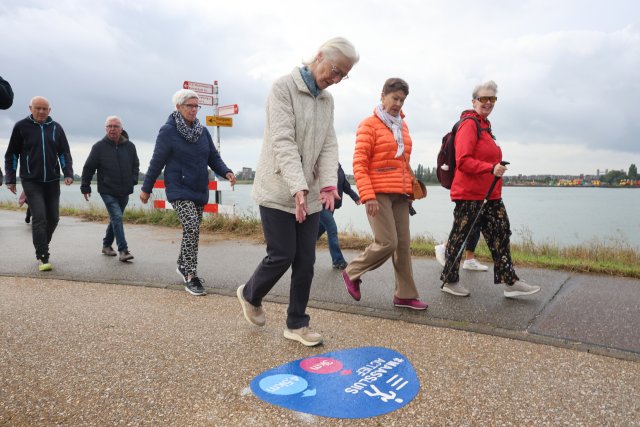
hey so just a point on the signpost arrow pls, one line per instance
(219, 121)
(205, 99)
(198, 87)
(228, 110)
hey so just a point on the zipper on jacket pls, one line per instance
(44, 155)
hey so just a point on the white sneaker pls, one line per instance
(440, 254)
(520, 288)
(304, 335)
(455, 289)
(472, 264)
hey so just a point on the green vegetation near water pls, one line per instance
(614, 257)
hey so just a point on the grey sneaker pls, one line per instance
(473, 265)
(440, 254)
(125, 256)
(520, 288)
(303, 335)
(455, 289)
(108, 250)
(254, 315)
(194, 287)
(182, 272)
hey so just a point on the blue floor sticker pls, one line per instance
(353, 383)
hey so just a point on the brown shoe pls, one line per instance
(108, 250)
(125, 256)
(303, 335)
(254, 315)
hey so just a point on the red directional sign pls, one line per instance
(198, 87)
(228, 110)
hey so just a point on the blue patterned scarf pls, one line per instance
(190, 134)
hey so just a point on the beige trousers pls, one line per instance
(392, 237)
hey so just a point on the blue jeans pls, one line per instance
(328, 224)
(115, 229)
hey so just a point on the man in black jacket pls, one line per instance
(116, 160)
(39, 145)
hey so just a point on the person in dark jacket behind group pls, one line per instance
(116, 160)
(40, 146)
(328, 223)
(184, 149)
(6, 94)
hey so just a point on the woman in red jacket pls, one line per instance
(381, 170)
(477, 163)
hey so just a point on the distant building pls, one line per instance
(247, 174)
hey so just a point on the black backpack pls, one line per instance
(446, 169)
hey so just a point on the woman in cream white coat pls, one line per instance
(296, 174)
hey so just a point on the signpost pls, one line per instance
(219, 121)
(205, 99)
(198, 87)
(208, 95)
(228, 110)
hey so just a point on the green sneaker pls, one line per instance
(45, 266)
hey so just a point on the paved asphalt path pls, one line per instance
(79, 347)
(598, 314)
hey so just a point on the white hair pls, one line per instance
(183, 95)
(334, 47)
(490, 85)
(106, 122)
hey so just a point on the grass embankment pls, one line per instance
(613, 257)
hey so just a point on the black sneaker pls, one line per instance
(182, 273)
(194, 287)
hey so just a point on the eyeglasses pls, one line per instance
(338, 73)
(485, 99)
(196, 106)
(113, 126)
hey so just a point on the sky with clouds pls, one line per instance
(567, 71)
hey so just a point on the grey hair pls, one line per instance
(490, 85)
(334, 47)
(39, 98)
(106, 122)
(181, 96)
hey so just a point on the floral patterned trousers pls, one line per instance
(494, 225)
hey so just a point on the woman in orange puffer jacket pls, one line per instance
(381, 169)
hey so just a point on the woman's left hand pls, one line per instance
(328, 198)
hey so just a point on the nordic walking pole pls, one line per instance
(473, 224)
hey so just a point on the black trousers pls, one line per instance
(495, 227)
(289, 244)
(44, 202)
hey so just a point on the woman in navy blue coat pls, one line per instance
(185, 150)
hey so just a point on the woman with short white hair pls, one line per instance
(184, 149)
(296, 174)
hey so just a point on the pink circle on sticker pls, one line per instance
(321, 365)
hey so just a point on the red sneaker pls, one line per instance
(414, 304)
(353, 286)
